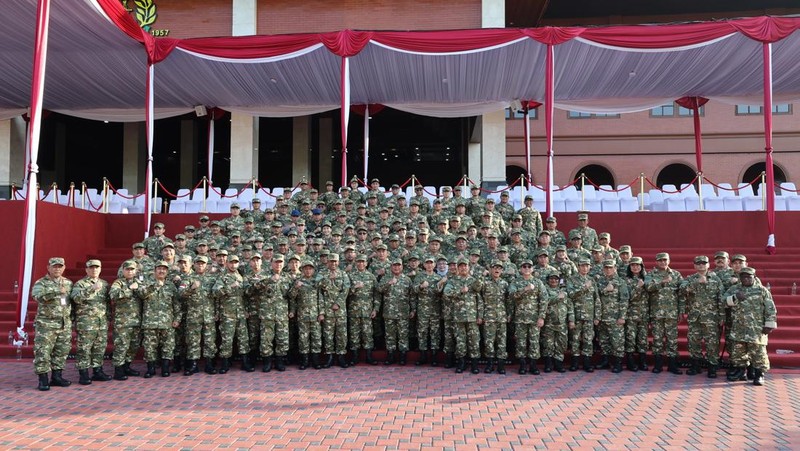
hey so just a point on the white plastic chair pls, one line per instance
(610, 205)
(785, 189)
(725, 190)
(675, 203)
(732, 203)
(752, 204)
(745, 190)
(231, 193)
(714, 204)
(192, 206)
(628, 204)
(177, 207)
(198, 194)
(793, 203)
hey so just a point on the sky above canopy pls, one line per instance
(97, 66)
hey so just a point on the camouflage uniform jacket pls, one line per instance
(397, 298)
(496, 305)
(531, 220)
(362, 301)
(664, 300)
(559, 310)
(334, 289)
(751, 314)
(704, 303)
(90, 306)
(269, 295)
(639, 304)
(200, 308)
(229, 291)
(53, 307)
(529, 305)
(159, 306)
(585, 299)
(306, 299)
(127, 302)
(614, 303)
(506, 211)
(154, 243)
(429, 299)
(465, 307)
(588, 235)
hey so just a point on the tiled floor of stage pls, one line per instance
(400, 408)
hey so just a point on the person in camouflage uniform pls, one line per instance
(585, 299)
(496, 314)
(126, 296)
(156, 241)
(269, 290)
(309, 313)
(560, 317)
(505, 208)
(665, 305)
(160, 316)
(254, 273)
(200, 328)
(53, 325)
(145, 263)
(588, 235)
(638, 315)
(728, 277)
(334, 287)
(397, 311)
(362, 308)
(530, 306)
(702, 293)
(90, 307)
(531, 218)
(463, 293)
(228, 290)
(754, 317)
(613, 310)
(184, 262)
(557, 236)
(427, 290)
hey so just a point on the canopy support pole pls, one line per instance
(769, 185)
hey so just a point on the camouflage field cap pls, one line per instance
(361, 258)
(233, 258)
(598, 249)
(201, 259)
(721, 254)
(739, 257)
(554, 275)
(662, 256)
(184, 258)
(497, 263)
(162, 264)
(137, 246)
(333, 257)
(158, 225)
(93, 262)
(636, 261)
(609, 263)
(462, 261)
(584, 261)
(624, 249)
(168, 245)
(583, 217)
(604, 235)
(397, 262)
(561, 248)
(550, 219)
(748, 270)
(542, 253)
(701, 259)
(525, 263)
(130, 264)
(256, 255)
(222, 252)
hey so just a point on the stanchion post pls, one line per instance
(583, 191)
(205, 180)
(105, 195)
(255, 191)
(71, 197)
(13, 191)
(763, 191)
(641, 191)
(83, 195)
(700, 191)
(155, 195)
(54, 190)
(413, 183)
(521, 191)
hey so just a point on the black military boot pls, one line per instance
(462, 365)
(370, 359)
(44, 382)
(130, 371)
(558, 366)
(434, 359)
(211, 366)
(403, 356)
(750, 373)
(533, 369)
(548, 364)
(489, 366)
(423, 358)
(57, 381)
(603, 364)
(119, 373)
(190, 368)
(151, 370)
(672, 366)
(712, 371)
(165, 363)
(474, 366)
(353, 357)
(176, 364)
(328, 361)
(758, 377)
(84, 377)
(643, 361)
(304, 362)
(658, 365)
(573, 365)
(342, 361)
(279, 363)
(315, 361)
(448, 360)
(632, 363)
(616, 365)
(389, 358)
(267, 365)
(694, 367)
(225, 366)
(247, 364)
(523, 366)
(587, 364)
(501, 366)
(99, 375)
(736, 374)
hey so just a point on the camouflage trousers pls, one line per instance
(50, 348)
(277, 332)
(231, 327)
(158, 344)
(554, 340)
(728, 325)
(179, 352)
(636, 336)
(309, 337)
(612, 338)
(449, 336)
(334, 334)
(126, 344)
(201, 336)
(527, 337)
(753, 353)
(581, 337)
(665, 337)
(254, 332)
(360, 333)
(703, 332)
(468, 340)
(396, 334)
(428, 328)
(494, 340)
(91, 345)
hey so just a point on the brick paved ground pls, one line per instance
(400, 408)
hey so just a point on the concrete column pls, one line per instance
(188, 158)
(133, 157)
(301, 143)
(244, 127)
(325, 149)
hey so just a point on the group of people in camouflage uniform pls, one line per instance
(326, 275)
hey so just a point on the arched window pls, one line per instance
(754, 172)
(513, 173)
(598, 174)
(675, 174)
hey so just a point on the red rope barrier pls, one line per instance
(612, 190)
(91, 205)
(111, 187)
(679, 190)
(783, 188)
(261, 188)
(562, 188)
